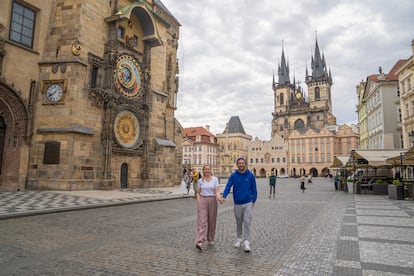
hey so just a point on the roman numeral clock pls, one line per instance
(128, 82)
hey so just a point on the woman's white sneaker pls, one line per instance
(238, 243)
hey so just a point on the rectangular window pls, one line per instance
(94, 76)
(121, 32)
(51, 154)
(22, 25)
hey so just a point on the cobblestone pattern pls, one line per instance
(377, 239)
(311, 233)
(12, 203)
(313, 253)
(157, 238)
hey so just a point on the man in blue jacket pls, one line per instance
(244, 197)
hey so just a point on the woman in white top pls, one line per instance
(207, 195)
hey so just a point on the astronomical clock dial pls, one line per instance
(126, 129)
(128, 76)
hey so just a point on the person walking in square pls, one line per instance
(272, 184)
(310, 178)
(195, 177)
(207, 196)
(187, 179)
(243, 184)
(302, 183)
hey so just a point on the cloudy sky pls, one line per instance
(228, 51)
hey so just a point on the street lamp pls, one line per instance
(401, 176)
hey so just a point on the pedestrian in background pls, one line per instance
(310, 178)
(302, 183)
(336, 182)
(272, 184)
(183, 185)
(243, 184)
(187, 180)
(207, 196)
(195, 177)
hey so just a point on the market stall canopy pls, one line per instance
(372, 158)
(340, 161)
(406, 157)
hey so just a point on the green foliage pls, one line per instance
(379, 181)
(396, 182)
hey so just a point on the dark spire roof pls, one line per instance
(283, 70)
(318, 65)
(234, 126)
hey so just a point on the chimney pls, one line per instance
(208, 127)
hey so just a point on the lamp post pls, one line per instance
(401, 173)
(401, 165)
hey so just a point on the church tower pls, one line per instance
(319, 87)
(283, 91)
(293, 109)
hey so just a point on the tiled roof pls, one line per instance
(193, 132)
(391, 75)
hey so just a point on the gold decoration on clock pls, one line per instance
(128, 76)
(126, 129)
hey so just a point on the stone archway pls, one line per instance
(314, 172)
(262, 173)
(14, 151)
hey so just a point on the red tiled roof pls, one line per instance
(391, 75)
(193, 132)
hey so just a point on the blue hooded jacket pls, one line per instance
(244, 187)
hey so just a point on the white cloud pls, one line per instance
(228, 51)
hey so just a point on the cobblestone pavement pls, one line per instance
(17, 204)
(318, 232)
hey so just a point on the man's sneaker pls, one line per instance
(247, 246)
(238, 243)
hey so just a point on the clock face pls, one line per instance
(126, 129)
(54, 93)
(298, 95)
(127, 76)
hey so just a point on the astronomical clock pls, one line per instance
(127, 129)
(128, 76)
(128, 81)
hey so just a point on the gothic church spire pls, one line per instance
(283, 70)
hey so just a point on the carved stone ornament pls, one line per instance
(76, 48)
(55, 67)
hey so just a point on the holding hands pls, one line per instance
(221, 199)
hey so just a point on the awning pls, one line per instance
(373, 158)
(407, 158)
(340, 161)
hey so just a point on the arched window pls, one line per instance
(299, 124)
(317, 93)
(281, 98)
